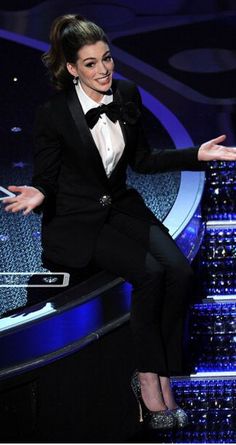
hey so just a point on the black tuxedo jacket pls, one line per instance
(69, 170)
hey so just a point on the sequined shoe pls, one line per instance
(180, 416)
(155, 420)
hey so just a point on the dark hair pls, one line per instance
(68, 34)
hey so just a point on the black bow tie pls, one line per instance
(114, 111)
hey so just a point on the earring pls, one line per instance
(75, 80)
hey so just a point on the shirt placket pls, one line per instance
(107, 144)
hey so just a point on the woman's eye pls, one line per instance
(92, 64)
(107, 58)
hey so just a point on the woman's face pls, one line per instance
(94, 68)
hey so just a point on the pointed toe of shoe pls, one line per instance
(160, 420)
(181, 417)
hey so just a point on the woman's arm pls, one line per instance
(214, 151)
(144, 160)
(47, 152)
(27, 200)
(47, 161)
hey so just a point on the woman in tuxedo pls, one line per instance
(85, 137)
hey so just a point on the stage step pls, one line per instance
(219, 200)
(212, 337)
(218, 262)
(210, 404)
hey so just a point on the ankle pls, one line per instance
(148, 378)
(153, 402)
(151, 392)
(167, 392)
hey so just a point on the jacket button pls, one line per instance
(105, 200)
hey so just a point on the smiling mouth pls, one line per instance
(107, 77)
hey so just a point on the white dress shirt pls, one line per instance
(107, 135)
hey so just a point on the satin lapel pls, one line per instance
(84, 132)
(118, 98)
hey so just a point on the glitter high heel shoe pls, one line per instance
(155, 420)
(180, 416)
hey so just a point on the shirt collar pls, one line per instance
(87, 103)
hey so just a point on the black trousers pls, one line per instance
(145, 255)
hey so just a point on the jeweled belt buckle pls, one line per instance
(105, 200)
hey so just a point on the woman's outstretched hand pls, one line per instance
(213, 151)
(28, 199)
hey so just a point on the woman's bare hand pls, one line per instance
(27, 199)
(214, 151)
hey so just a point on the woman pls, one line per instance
(85, 137)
